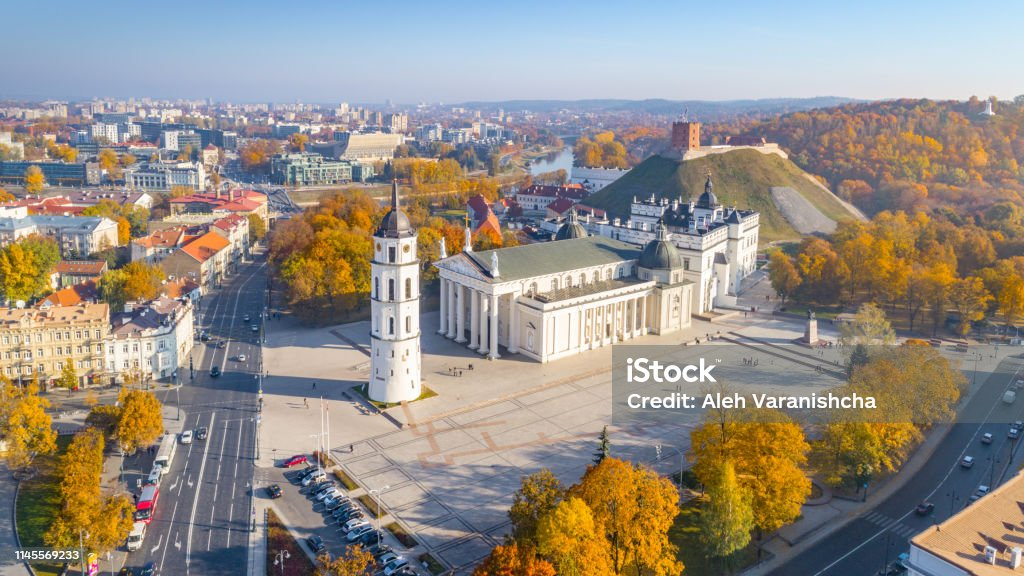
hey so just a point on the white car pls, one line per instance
(241, 357)
(967, 462)
(981, 491)
(314, 478)
(355, 523)
(358, 531)
(329, 492)
(186, 437)
(395, 565)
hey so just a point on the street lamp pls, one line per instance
(280, 557)
(316, 453)
(953, 499)
(682, 460)
(378, 492)
(992, 471)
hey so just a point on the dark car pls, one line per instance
(126, 571)
(202, 433)
(295, 461)
(924, 508)
(274, 491)
(222, 344)
(370, 538)
(150, 569)
(304, 473)
(316, 543)
(204, 337)
(215, 371)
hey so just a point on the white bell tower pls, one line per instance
(395, 309)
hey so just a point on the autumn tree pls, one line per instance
(68, 377)
(869, 327)
(27, 428)
(34, 180)
(783, 274)
(140, 419)
(354, 561)
(80, 470)
(634, 508)
(514, 559)
(727, 518)
(297, 142)
(6, 196)
(109, 163)
(25, 266)
(538, 495)
(134, 282)
(970, 299)
(255, 155)
(179, 191)
(257, 227)
(571, 540)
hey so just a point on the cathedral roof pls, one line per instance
(660, 253)
(395, 223)
(547, 258)
(572, 228)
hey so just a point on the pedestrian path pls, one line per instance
(896, 527)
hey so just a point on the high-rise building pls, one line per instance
(395, 309)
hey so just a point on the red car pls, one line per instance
(294, 461)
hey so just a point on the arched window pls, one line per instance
(568, 281)
(596, 276)
(391, 326)
(583, 279)
(608, 274)
(408, 288)
(533, 289)
(554, 283)
(391, 289)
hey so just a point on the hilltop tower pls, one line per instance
(395, 309)
(685, 135)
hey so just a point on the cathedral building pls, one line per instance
(395, 309)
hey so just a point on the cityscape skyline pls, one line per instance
(550, 52)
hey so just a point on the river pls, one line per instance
(555, 161)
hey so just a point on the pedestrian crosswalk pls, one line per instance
(901, 530)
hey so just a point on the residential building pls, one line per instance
(311, 169)
(76, 235)
(594, 179)
(164, 176)
(86, 292)
(397, 123)
(37, 342)
(210, 156)
(152, 340)
(108, 133)
(56, 173)
(156, 246)
(221, 204)
(429, 133)
(204, 260)
(71, 272)
(982, 539)
(536, 198)
(235, 229)
(17, 149)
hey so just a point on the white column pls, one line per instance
(460, 314)
(513, 329)
(593, 327)
(493, 307)
(443, 296)
(643, 316)
(482, 320)
(474, 319)
(452, 309)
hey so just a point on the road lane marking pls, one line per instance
(157, 547)
(195, 502)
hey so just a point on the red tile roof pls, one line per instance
(167, 238)
(72, 295)
(81, 267)
(229, 222)
(561, 205)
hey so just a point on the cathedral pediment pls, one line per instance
(461, 264)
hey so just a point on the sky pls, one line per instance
(456, 51)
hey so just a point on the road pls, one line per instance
(202, 521)
(878, 535)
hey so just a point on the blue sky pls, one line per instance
(451, 51)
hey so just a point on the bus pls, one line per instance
(165, 454)
(146, 507)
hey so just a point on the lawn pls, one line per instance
(404, 537)
(345, 480)
(278, 539)
(372, 505)
(39, 503)
(427, 393)
(685, 534)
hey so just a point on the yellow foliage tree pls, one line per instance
(34, 180)
(354, 561)
(570, 538)
(140, 421)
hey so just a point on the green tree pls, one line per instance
(538, 494)
(604, 446)
(257, 227)
(727, 519)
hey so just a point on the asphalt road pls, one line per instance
(201, 525)
(863, 546)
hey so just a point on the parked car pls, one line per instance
(186, 437)
(344, 509)
(274, 491)
(386, 557)
(1014, 433)
(967, 462)
(924, 508)
(332, 504)
(316, 543)
(321, 489)
(395, 565)
(371, 537)
(357, 532)
(295, 460)
(986, 438)
(304, 473)
(215, 372)
(379, 551)
(316, 478)
(354, 514)
(353, 524)
(322, 495)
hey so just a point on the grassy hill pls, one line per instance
(742, 177)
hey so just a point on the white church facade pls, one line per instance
(556, 299)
